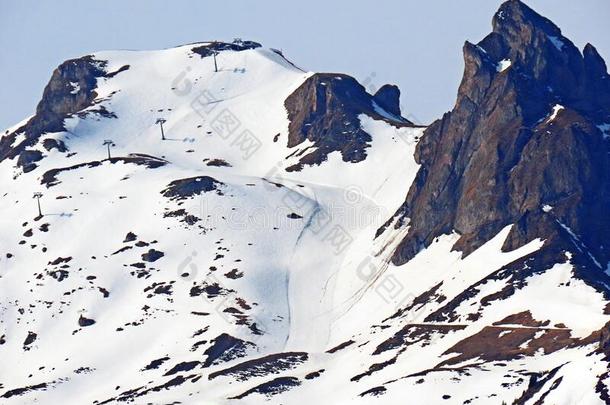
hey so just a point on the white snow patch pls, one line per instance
(19, 138)
(75, 87)
(506, 332)
(503, 65)
(556, 295)
(547, 208)
(556, 109)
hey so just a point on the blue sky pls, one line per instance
(411, 43)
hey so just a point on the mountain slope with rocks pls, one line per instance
(220, 226)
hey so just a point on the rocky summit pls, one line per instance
(212, 224)
(527, 132)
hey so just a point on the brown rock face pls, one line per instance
(325, 110)
(507, 149)
(70, 90)
(604, 340)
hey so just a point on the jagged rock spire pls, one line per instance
(523, 135)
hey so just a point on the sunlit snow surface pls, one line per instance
(503, 65)
(289, 285)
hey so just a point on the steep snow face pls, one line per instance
(196, 269)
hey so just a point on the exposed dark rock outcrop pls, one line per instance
(225, 348)
(273, 387)
(604, 340)
(415, 333)
(388, 98)
(27, 160)
(130, 237)
(237, 45)
(184, 188)
(50, 144)
(340, 346)
(49, 178)
(521, 146)
(24, 390)
(182, 367)
(262, 366)
(31, 338)
(217, 163)
(70, 90)
(155, 364)
(375, 391)
(152, 255)
(506, 343)
(83, 322)
(325, 110)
